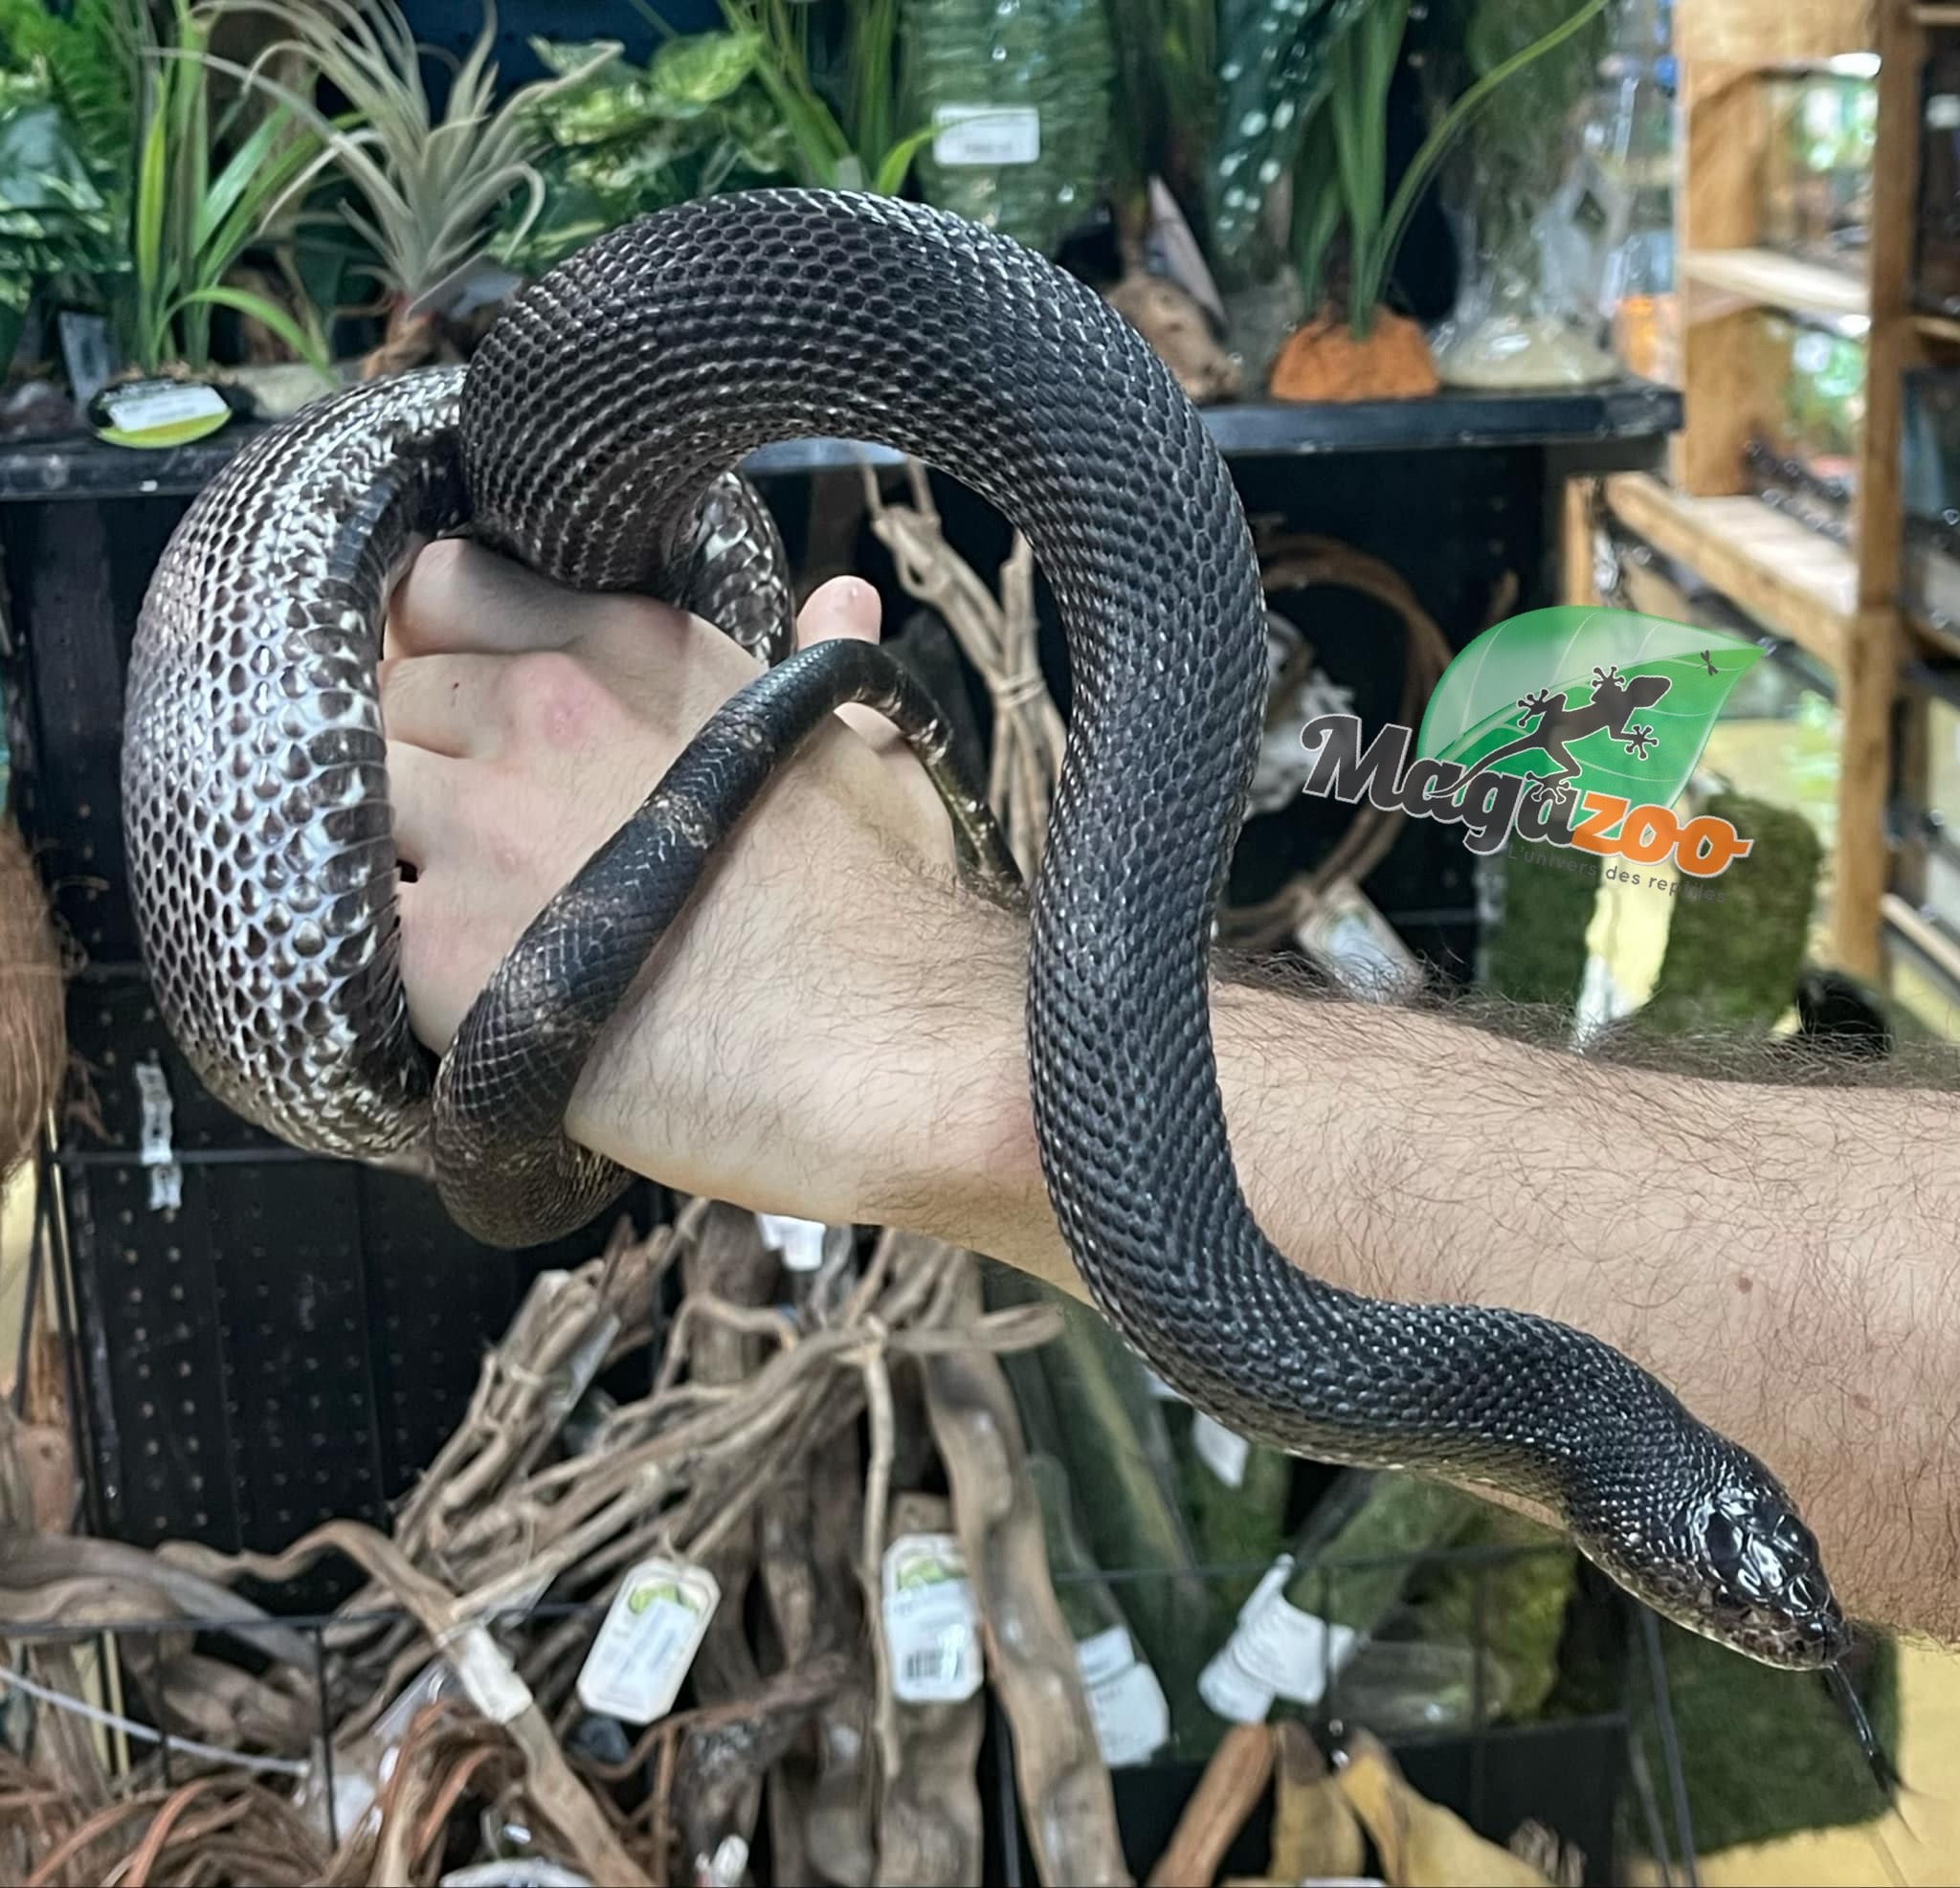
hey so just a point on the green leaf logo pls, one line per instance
(1591, 700)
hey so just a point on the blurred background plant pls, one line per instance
(628, 139)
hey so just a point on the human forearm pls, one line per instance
(1779, 1257)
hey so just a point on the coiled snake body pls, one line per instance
(594, 436)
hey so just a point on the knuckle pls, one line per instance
(551, 696)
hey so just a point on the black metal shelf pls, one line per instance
(1615, 414)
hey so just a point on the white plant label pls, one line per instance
(652, 1628)
(931, 1622)
(154, 404)
(1276, 1650)
(800, 1241)
(1133, 1717)
(972, 135)
(1219, 1450)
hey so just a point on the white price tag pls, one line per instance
(652, 1628)
(932, 1623)
(1133, 1717)
(1292, 1654)
(1219, 1450)
(153, 1134)
(800, 1241)
(166, 407)
(486, 1673)
(986, 135)
(1104, 1655)
(1226, 1689)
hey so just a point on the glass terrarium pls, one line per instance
(1816, 175)
(1936, 263)
(1804, 457)
(1534, 231)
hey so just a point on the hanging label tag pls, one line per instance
(932, 1623)
(484, 1670)
(800, 1241)
(153, 1138)
(1233, 1691)
(652, 1628)
(1356, 945)
(1294, 1652)
(1131, 1715)
(972, 135)
(1221, 1451)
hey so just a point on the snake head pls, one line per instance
(1769, 1581)
(1737, 1565)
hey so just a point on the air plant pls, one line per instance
(431, 191)
(1340, 177)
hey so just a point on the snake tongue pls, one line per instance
(1884, 1771)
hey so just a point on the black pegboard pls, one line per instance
(289, 1340)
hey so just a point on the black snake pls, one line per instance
(593, 435)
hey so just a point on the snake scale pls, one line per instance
(595, 436)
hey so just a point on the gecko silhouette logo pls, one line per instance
(1571, 726)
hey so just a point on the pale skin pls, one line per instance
(835, 1030)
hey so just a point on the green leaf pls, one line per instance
(1476, 708)
(1272, 76)
(704, 67)
(247, 170)
(1436, 146)
(890, 178)
(243, 301)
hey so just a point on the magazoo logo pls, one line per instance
(1571, 726)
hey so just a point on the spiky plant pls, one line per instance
(431, 191)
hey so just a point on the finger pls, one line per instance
(448, 704)
(457, 597)
(425, 792)
(848, 607)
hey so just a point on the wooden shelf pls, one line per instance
(1922, 935)
(1781, 282)
(1937, 327)
(1797, 584)
(1766, 32)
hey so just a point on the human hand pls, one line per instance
(524, 724)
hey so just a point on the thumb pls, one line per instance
(847, 607)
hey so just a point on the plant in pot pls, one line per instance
(181, 185)
(1526, 312)
(1165, 88)
(1348, 228)
(695, 119)
(428, 194)
(58, 229)
(837, 96)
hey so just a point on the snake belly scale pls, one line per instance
(595, 437)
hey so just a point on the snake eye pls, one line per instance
(1725, 1540)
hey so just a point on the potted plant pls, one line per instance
(428, 194)
(1366, 350)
